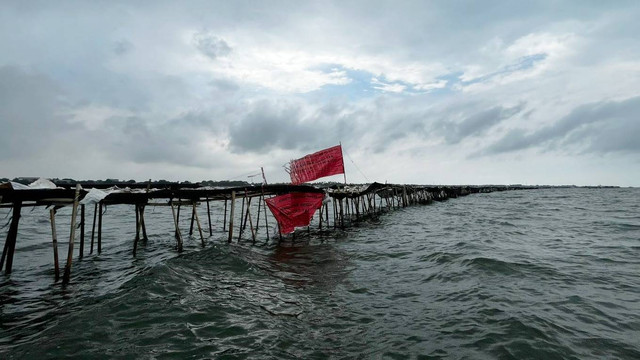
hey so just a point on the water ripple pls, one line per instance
(528, 274)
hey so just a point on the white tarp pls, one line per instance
(18, 186)
(94, 196)
(42, 183)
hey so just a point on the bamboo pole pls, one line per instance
(326, 209)
(81, 250)
(175, 222)
(266, 224)
(143, 225)
(241, 216)
(258, 217)
(404, 196)
(341, 214)
(74, 213)
(93, 228)
(10, 243)
(54, 236)
(233, 205)
(195, 213)
(5, 250)
(246, 215)
(224, 222)
(253, 233)
(373, 197)
(335, 212)
(209, 217)
(135, 241)
(100, 228)
(356, 204)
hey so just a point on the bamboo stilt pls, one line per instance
(81, 249)
(195, 213)
(342, 213)
(241, 217)
(266, 225)
(253, 234)
(54, 237)
(143, 226)
(10, 243)
(175, 222)
(233, 205)
(93, 227)
(243, 222)
(258, 217)
(224, 222)
(177, 219)
(135, 241)
(326, 209)
(336, 213)
(74, 213)
(100, 228)
(209, 217)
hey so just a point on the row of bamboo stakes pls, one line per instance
(346, 207)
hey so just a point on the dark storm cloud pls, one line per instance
(122, 47)
(177, 141)
(29, 107)
(268, 125)
(602, 127)
(477, 124)
(403, 123)
(223, 85)
(211, 45)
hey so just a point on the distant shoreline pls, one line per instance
(68, 182)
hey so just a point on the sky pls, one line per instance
(417, 92)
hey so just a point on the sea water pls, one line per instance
(529, 274)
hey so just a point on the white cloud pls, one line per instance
(93, 116)
(172, 80)
(527, 57)
(387, 87)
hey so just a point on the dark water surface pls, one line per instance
(539, 274)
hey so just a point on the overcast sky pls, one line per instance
(427, 92)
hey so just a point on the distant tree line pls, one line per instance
(69, 181)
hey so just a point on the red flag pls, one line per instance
(294, 209)
(320, 164)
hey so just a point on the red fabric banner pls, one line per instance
(294, 209)
(320, 164)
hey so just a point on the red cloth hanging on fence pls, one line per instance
(294, 209)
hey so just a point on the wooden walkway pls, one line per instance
(347, 204)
